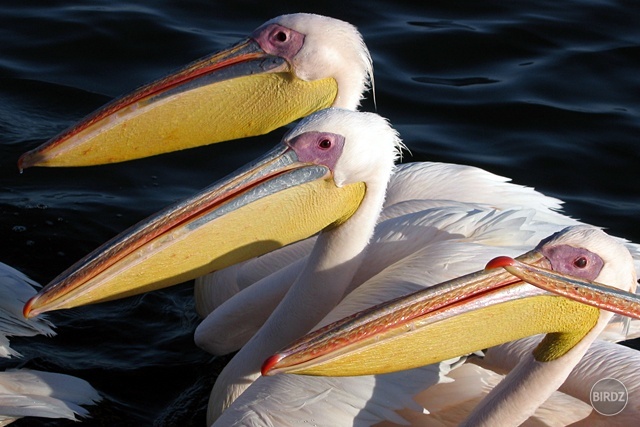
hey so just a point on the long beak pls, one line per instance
(236, 93)
(458, 317)
(594, 294)
(266, 205)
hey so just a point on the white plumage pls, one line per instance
(437, 222)
(429, 210)
(448, 402)
(418, 242)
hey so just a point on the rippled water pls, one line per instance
(545, 92)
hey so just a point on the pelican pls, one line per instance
(286, 69)
(322, 177)
(28, 392)
(405, 333)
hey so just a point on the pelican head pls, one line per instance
(316, 178)
(286, 69)
(478, 311)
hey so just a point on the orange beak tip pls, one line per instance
(26, 310)
(498, 262)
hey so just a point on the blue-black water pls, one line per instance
(545, 92)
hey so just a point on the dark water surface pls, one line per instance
(545, 92)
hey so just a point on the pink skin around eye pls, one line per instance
(564, 258)
(278, 40)
(323, 148)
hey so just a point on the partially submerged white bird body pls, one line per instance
(28, 392)
(33, 393)
(15, 290)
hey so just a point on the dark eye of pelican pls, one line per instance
(325, 144)
(281, 36)
(580, 262)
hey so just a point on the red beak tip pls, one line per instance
(498, 262)
(270, 364)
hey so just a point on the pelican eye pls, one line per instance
(580, 262)
(324, 144)
(281, 36)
